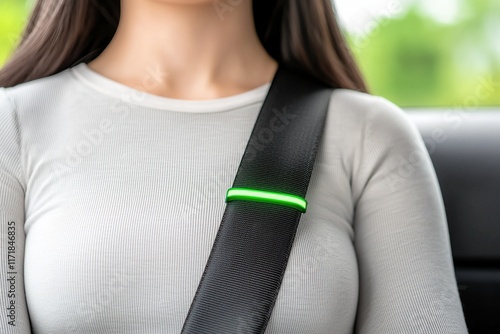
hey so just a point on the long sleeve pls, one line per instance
(406, 276)
(14, 314)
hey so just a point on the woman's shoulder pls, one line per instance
(369, 116)
(33, 93)
(369, 134)
(360, 105)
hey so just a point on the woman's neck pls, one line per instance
(197, 50)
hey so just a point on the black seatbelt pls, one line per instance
(243, 274)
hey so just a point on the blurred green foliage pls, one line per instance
(13, 17)
(415, 61)
(411, 59)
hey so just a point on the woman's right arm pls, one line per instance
(13, 308)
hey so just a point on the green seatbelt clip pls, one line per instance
(248, 194)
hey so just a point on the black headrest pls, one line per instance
(465, 149)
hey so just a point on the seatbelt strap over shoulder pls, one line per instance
(244, 271)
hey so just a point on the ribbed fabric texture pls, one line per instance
(117, 196)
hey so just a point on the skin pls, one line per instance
(186, 49)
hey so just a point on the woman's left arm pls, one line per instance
(406, 276)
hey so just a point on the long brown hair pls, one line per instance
(302, 34)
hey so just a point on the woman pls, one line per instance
(122, 126)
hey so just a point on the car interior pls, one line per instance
(464, 147)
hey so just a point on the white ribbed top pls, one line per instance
(114, 197)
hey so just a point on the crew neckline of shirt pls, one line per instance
(126, 93)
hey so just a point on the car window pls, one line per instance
(427, 52)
